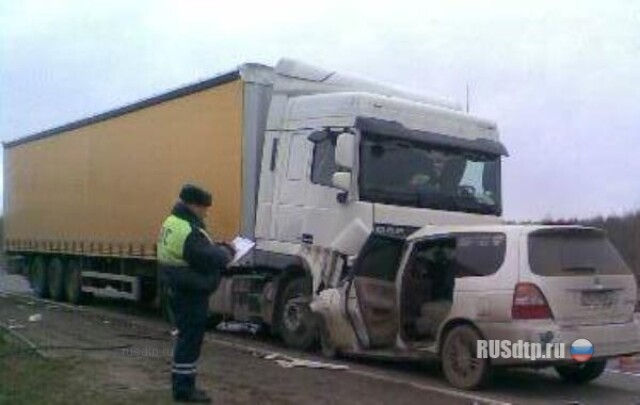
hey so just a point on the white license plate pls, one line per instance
(597, 298)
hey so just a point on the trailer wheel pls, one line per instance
(25, 265)
(39, 278)
(56, 279)
(73, 283)
(297, 324)
(460, 363)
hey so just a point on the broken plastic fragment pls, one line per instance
(35, 318)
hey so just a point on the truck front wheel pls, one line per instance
(296, 323)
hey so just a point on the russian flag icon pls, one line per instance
(581, 350)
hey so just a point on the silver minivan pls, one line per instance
(441, 290)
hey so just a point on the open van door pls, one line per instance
(372, 304)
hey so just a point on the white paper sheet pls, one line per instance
(242, 247)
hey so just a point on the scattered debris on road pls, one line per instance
(290, 362)
(35, 318)
(235, 326)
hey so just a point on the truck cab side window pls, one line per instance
(324, 163)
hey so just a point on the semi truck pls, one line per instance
(306, 162)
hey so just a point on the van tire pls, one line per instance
(581, 373)
(296, 323)
(460, 364)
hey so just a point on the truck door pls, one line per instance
(372, 295)
(289, 199)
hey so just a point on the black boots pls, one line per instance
(196, 396)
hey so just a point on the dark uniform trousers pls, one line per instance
(189, 302)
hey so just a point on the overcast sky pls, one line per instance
(562, 79)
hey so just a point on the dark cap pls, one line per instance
(195, 195)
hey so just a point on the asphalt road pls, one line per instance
(248, 377)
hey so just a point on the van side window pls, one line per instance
(324, 163)
(479, 254)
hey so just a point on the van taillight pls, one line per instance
(529, 303)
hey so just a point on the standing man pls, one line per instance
(190, 264)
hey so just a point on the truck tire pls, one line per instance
(73, 283)
(39, 278)
(460, 363)
(296, 323)
(581, 373)
(56, 279)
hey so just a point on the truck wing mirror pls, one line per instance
(342, 181)
(345, 151)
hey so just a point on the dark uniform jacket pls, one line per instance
(186, 253)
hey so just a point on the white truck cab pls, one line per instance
(343, 155)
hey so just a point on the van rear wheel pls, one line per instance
(460, 362)
(581, 373)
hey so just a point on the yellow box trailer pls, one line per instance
(100, 188)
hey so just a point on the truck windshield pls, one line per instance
(409, 173)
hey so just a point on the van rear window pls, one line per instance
(573, 252)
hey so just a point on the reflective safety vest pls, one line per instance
(171, 241)
(173, 236)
